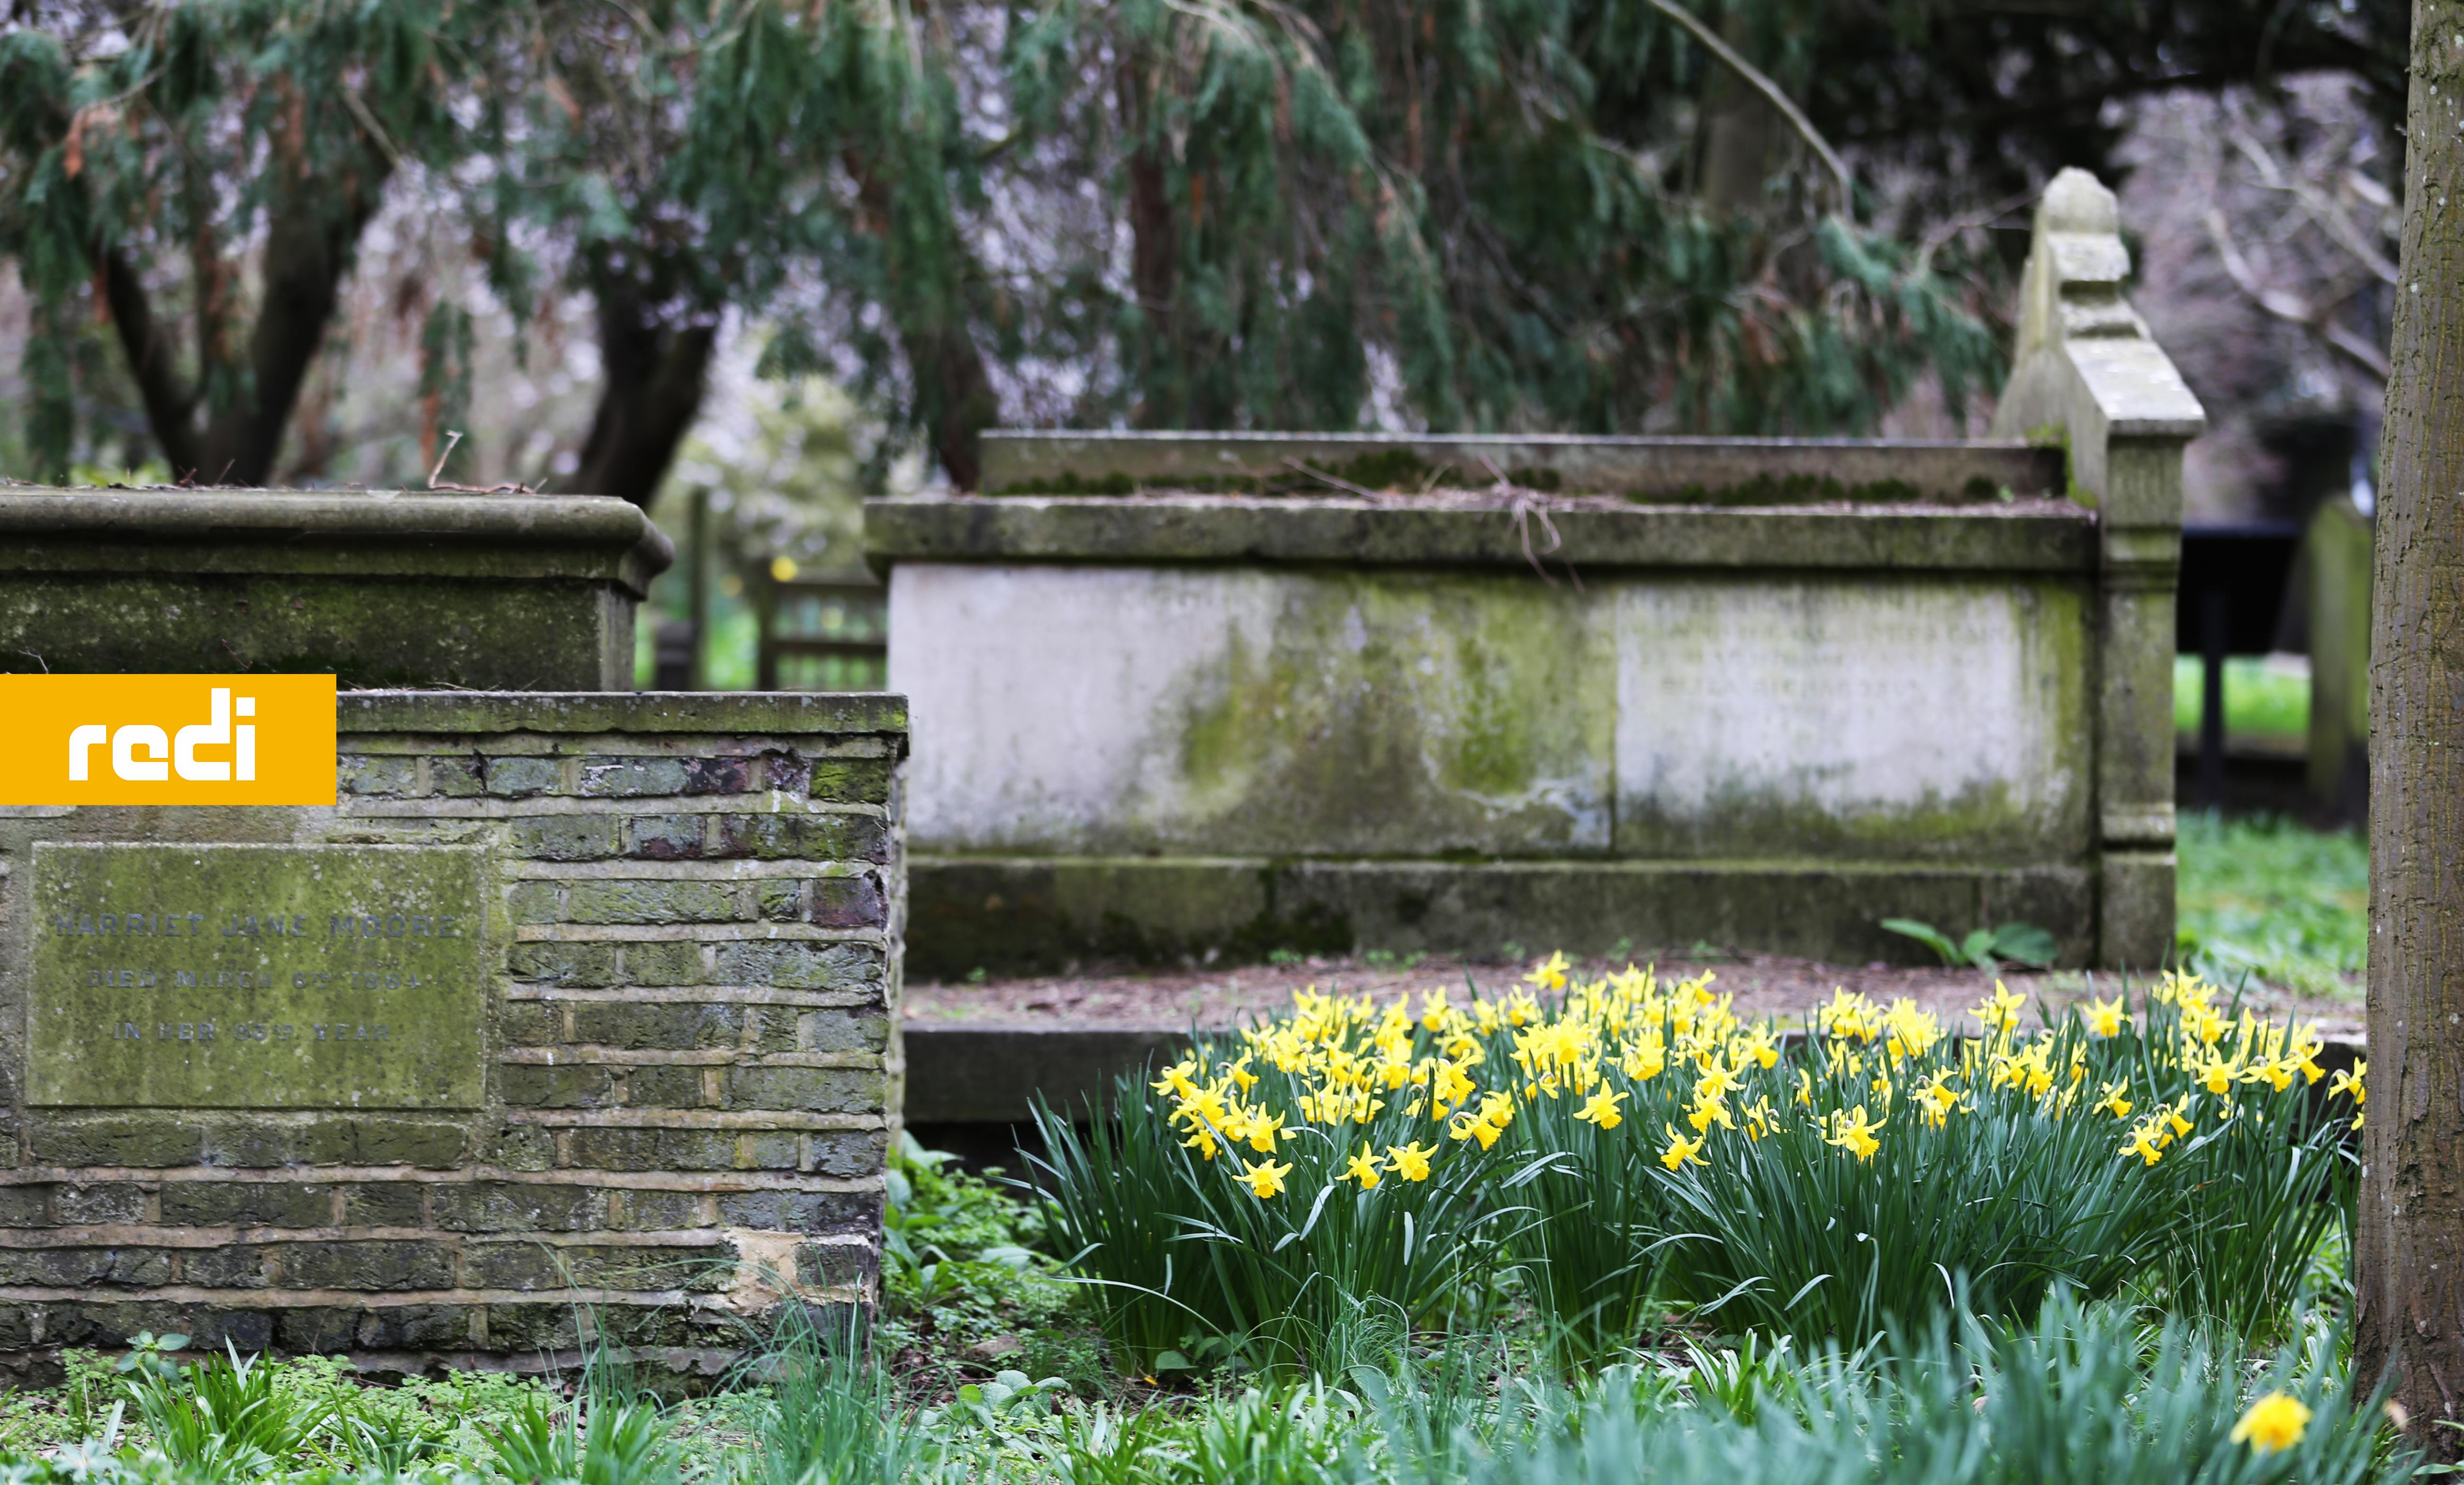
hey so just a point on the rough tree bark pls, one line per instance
(2410, 1319)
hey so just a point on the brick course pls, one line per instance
(696, 947)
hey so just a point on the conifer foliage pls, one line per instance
(1562, 214)
(1311, 188)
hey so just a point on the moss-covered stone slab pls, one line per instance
(380, 587)
(741, 714)
(256, 976)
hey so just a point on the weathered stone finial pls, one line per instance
(2085, 362)
(2077, 202)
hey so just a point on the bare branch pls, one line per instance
(2318, 321)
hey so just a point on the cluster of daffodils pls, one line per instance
(2218, 1056)
(1408, 1090)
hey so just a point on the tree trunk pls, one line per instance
(308, 249)
(954, 393)
(655, 374)
(2409, 1240)
(1155, 258)
(1739, 132)
(954, 400)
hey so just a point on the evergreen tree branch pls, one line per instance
(1755, 79)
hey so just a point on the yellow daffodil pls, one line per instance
(1854, 1133)
(2274, 1423)
(1475, 1127)
(1363, 1169)
(1261, 1131)
(2103, 1019)
(1601, 1111)
(1999, 1011)
(1707, 1112)
(1680, 1150)
(1409, 1161)
(1936, 1097)
(2351, 1084)
(2113, 1102)
(2144, 1142)
(1548, 974)
(1264, 1178)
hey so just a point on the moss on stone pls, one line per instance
(482, 633)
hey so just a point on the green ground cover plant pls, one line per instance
(2271, 898)
(2090, 1392)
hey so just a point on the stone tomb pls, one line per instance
(575, 1016)
(1189, 697)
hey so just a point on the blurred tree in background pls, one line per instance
(150, 155)
(1576, 214)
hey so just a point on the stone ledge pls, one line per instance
(782, 1121)
(2038, 535)
(1618, 465)
(468, 1175)
(362, 533)
(738, 713)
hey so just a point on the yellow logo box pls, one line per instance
(166, 740)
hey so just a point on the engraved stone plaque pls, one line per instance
(256, 976)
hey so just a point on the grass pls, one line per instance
(2092, 1394)
(2260, 700)
(2271, 898)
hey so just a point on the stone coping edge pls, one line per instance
(184, 518)
(736, 713)
(2032, 536)
(1019, 458)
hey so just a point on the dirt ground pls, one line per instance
(1764, 985)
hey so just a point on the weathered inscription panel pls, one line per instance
(256, 976)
